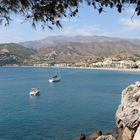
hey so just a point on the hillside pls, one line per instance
(61, 49)
(75, 51)
(11, 53)
(17, 49)
(76, 48)
(56, 41)
(60, 40)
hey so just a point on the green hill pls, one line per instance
(11, 53)
(17, 50)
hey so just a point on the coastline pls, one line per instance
(97, 68)
(98, 134)
(87, 68)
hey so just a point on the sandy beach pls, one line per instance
(96, 68)
(88, 68)
(110, 69)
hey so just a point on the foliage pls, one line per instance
(50, 12)
(99, 59)
(17, 50)
(130, 88)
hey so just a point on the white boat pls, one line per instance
(55, 78)
(34, 92)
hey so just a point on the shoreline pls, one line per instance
(96, 68)
(86, 68)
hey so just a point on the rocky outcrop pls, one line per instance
(102, 137)
(137, 134)
(106, 137)
(127, 117)
(95, 135)
(7, 58)
(128, 113)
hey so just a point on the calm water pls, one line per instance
(84, 101)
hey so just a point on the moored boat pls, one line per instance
(34, 92)
(55, 78)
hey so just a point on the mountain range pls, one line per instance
(60, 40)
(73, 48)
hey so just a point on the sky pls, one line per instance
(87, 22)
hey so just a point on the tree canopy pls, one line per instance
(50, 12)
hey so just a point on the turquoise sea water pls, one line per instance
(84, 101)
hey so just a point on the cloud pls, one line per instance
(22, 32)
(84, 30)
(5, 34)
(131, 24)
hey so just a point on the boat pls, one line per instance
(54, 78)
(34, 92)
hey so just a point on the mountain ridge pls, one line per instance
(12, 53)
(59, 40)
(59, 49)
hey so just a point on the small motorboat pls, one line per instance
(34, 92)
(54, 78)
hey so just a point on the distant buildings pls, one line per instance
(107, 63)
(4, 51)
(110, 62)
(45, 60)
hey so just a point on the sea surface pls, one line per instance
(83, 102)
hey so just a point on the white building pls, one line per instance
(138, 63)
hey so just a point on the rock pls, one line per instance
(127, 117)
(6, 58)
(82, 137)
(106, 137)
(137, 84)
(137, 134)
(128, 113)
(127, 134)
(95, 135)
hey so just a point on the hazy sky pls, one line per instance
(88, 22)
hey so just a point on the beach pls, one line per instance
(90, 68)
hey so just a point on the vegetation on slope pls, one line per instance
(17, 50)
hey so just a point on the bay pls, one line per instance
(83, 102)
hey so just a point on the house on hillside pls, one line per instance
(80, 64)
(127, 64)
(138, 63)
(4, 51)
(116, 63)
(107, 62)
(97, 64)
